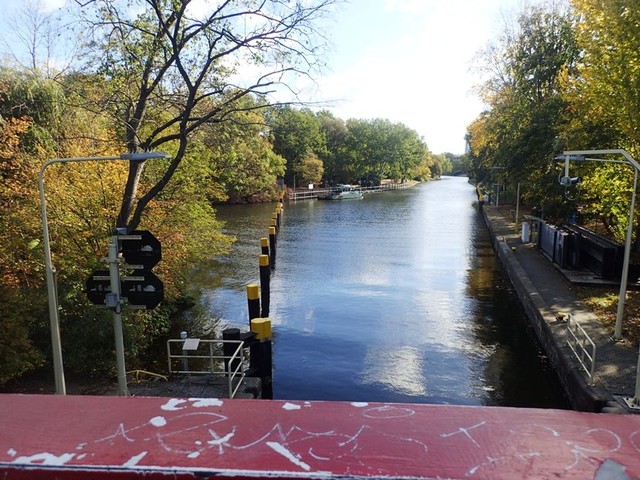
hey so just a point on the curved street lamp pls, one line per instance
(581, 155)
(52, 293)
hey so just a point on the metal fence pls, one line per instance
(205, 357)
(306, 194)
(582, 346)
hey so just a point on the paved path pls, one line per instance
(550, 292)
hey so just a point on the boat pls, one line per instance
(344, 192)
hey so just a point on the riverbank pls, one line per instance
(545, 294)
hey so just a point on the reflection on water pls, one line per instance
(396, 297)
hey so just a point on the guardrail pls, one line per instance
(211, 363)
(580, 344)
(305, 194)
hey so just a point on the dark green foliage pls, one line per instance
(355, 151)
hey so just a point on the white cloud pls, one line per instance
(409, 61)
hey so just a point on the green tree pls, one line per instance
(172, 70)
(242, 164)
(514, 140)
(295, 134)
(379, 149)
(310, 169)
(334, 157)
(605, 106)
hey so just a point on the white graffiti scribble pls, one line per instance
(295, 459)
(466, 433)
(388, 411)
(584, 453)
(194, 429)
(133, 461)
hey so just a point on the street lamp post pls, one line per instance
(581, 155)
(50, 270)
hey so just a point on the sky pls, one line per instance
(408, 61)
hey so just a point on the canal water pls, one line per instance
(395, 298)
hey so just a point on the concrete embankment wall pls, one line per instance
(582, 396)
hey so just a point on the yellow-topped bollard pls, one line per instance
(272, 246)
(253, 300)
(265, 288)
(253, 291)
(262, 328)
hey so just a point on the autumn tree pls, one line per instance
(516, 138)
(173, 68)
(20, 262)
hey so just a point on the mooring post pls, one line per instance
(261, 355)
(264, 246)
(265, 289)
(253, 301)
(279, 214)
(272, 246)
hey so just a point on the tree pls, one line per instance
(609, 76)
(514, 140)
(605, 106)
(334, 158)
(380, 149)
(172, 69)
(38, 33)
(240, 163)
(310, 169)
(19, 260)
(295, 133)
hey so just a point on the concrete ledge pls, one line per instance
(582, 396)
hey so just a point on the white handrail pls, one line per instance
(233, 361)
(579, 342)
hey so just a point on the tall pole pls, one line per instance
(114, 274)
(54, 320)
(617, 335)
(634, 402)
(517, 206)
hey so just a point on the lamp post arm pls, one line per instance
(629, 159)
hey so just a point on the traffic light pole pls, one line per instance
(116, 306)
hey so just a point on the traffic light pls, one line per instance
(141, 252)
(139, 286)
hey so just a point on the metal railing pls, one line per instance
(580, 344)
(211, 363)
(305, 194)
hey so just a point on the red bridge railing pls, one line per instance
(79, 437)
